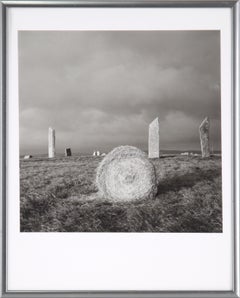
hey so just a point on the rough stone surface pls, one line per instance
(126, 174)
(153, 139)
(204, 137)
(51, 142)
(68, 152)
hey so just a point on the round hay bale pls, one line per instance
(126, 174)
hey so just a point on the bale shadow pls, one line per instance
(187, 180)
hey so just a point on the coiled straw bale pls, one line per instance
(126, 174)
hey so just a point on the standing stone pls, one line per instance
(204, 137)
(51, 142)
(153, 139)
(68, 152)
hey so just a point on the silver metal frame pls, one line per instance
(235, 8)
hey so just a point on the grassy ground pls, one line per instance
(60, 195)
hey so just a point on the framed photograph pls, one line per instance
(120, 148)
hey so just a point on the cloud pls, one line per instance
(101, 89)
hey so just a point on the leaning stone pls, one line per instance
(204, 137)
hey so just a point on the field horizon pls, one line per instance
(162, 152)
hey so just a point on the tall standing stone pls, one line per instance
(68, 152)
(204, 137)
(153, 139)
(51, 142)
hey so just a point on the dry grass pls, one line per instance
(60, 195)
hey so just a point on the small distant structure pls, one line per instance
(68, 152)
(96, 153)
(153, 139)
(27, 156)
(193, 154)
(189, 154)
(51, 142)
(204, 137)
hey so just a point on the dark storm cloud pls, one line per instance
(101, 89)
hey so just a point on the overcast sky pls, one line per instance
(101, 89)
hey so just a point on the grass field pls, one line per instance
(60, 195)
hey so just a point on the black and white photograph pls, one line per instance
(120, 131)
